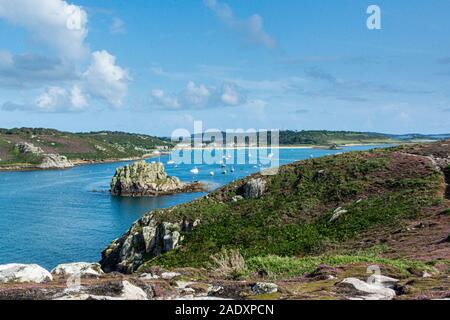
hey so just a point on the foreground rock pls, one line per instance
(128, 291)
(377, 290)
(148, 179)
(83, 269)
(264, 288)
(147, 238)
(24, 273)
(254, 188)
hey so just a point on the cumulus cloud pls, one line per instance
(59, 25)
(251, 29)
(199, 96)
(72, 74)
(54, 99)
(106, 80)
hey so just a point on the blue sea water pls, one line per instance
(52, 217)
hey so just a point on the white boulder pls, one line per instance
(23, 273)
(84, 269)
(370, 291)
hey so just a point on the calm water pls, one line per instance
(51, 217)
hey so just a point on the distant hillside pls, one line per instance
(92, 146)
(323, 137)
(326, 138)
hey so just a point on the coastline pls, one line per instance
(286, 146)
(81, 162)
(76, 163)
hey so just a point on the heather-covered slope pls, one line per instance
(311, 209)
(95, 146)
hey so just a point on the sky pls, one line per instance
(156, 66)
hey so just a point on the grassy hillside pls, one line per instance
(290, 137)
(84, 146)
(380, 191)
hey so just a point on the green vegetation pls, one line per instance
(76, 146)
(293, 217)
(290, 137)
(281, 267)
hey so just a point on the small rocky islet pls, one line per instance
(148, 179)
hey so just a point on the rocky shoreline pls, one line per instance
(75, 163)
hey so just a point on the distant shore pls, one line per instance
(287, 146)
(76, 163)
(80, 162)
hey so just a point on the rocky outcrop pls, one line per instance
(23, 273)
(49, 160)
(83, 269)
(254, 188)
(146, 238)
(25, 147)
(148, 179)
(264, 288)
(55, 161)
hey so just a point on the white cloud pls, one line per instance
(106, 80)
(57, 24)
(54, 99)
(200, 96)
(252, 29)
(77, 98)
(62, 28)
(161, 98)
(231, 95)
(117, 26)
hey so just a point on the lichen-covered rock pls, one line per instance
(146, 238)
(254, 188)
(147, 179)
(83, 269)
(23, 273)
(264, 288)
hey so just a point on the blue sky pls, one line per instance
(155, 66)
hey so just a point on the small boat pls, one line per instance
(271, 155)
(170, 162)
(195, 170)
(224, 165)
(224, 171)
(232, 169)
(212, 173)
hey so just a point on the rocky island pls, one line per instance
(148, 179)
